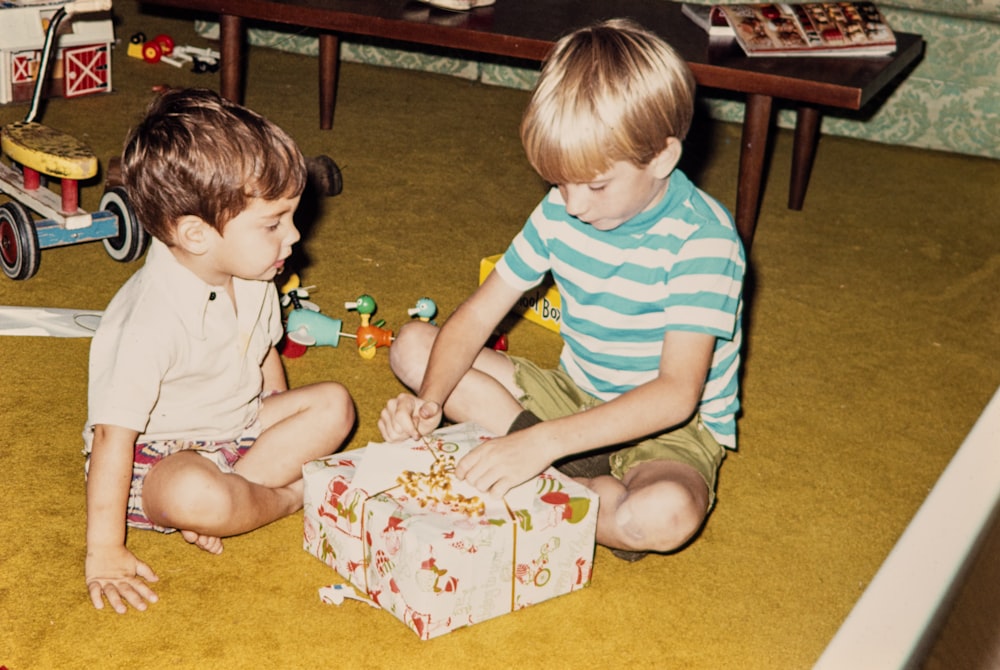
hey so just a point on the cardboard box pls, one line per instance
(394, 521)
(541, 305)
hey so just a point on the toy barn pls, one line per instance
(82, 64)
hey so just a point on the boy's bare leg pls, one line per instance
(657, 506)
(298, 426)
(486, 395)
(188, 492)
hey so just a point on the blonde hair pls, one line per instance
(196, 153)
(611, 92)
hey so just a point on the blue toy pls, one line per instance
(307, 327)
(425, 310)
(313, 329)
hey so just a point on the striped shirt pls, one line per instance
(676, 266)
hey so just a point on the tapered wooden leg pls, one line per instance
(756, 127)
(329, 66)
(231, 52)
(803, 153)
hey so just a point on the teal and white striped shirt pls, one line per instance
(676, 266)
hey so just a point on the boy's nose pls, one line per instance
(575, 199)
(293, 235)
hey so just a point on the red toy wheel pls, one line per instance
(151, 52)
(19, 252)
(166, 44)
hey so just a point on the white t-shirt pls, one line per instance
(173, 359)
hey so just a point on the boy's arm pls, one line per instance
(112, 571)
(273, 372)
(455, 349)
(464, 335)
(667, 401)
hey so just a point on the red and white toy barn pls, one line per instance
(82, 63)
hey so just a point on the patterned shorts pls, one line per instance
(224, 453)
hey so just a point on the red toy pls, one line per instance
(150, 51)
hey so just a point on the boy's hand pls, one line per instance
(408, 417)
(500, 464)
(116, 574)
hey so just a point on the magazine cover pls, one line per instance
(709, 18)
(811, 29)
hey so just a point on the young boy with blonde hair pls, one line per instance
(191, 425)
(650, 272)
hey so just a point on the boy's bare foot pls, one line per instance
(212, 545)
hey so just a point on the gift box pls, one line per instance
(395, 522)
(541, 305)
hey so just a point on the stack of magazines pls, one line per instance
(803, 29)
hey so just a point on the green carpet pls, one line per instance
(873, 340)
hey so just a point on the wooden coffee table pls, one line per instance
(527, 29)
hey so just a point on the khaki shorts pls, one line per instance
(551, 394)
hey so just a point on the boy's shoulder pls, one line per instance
(703, 217)
(137, 303)
(686, 201)
(151, 296)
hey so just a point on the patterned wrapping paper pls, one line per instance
(433, 551)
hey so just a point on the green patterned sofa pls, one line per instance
(950, 102)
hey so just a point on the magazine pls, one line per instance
(709, 18)
(811, 29)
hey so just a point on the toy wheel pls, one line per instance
(543, 576)
(201, 66)
(151, 52)
(166, 44)
(131, 239)
(19, 252)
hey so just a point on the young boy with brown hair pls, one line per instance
(650, 273)
(191, 425)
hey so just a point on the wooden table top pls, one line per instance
(527, 29)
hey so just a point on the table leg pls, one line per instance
(803, 152)
(231, 52)
(756, 127)
(329, 64)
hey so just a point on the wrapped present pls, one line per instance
(395, 522)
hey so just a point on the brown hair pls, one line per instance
(607, 93)
(196, 153)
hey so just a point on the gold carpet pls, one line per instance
(873, 341)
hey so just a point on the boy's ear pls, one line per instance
(665, 161)
(192, 234)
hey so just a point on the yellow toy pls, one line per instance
(38, 152)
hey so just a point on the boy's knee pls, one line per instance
(336, 400)
(410, 350)
(333, 407)
(192, 499)
(661, 517)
